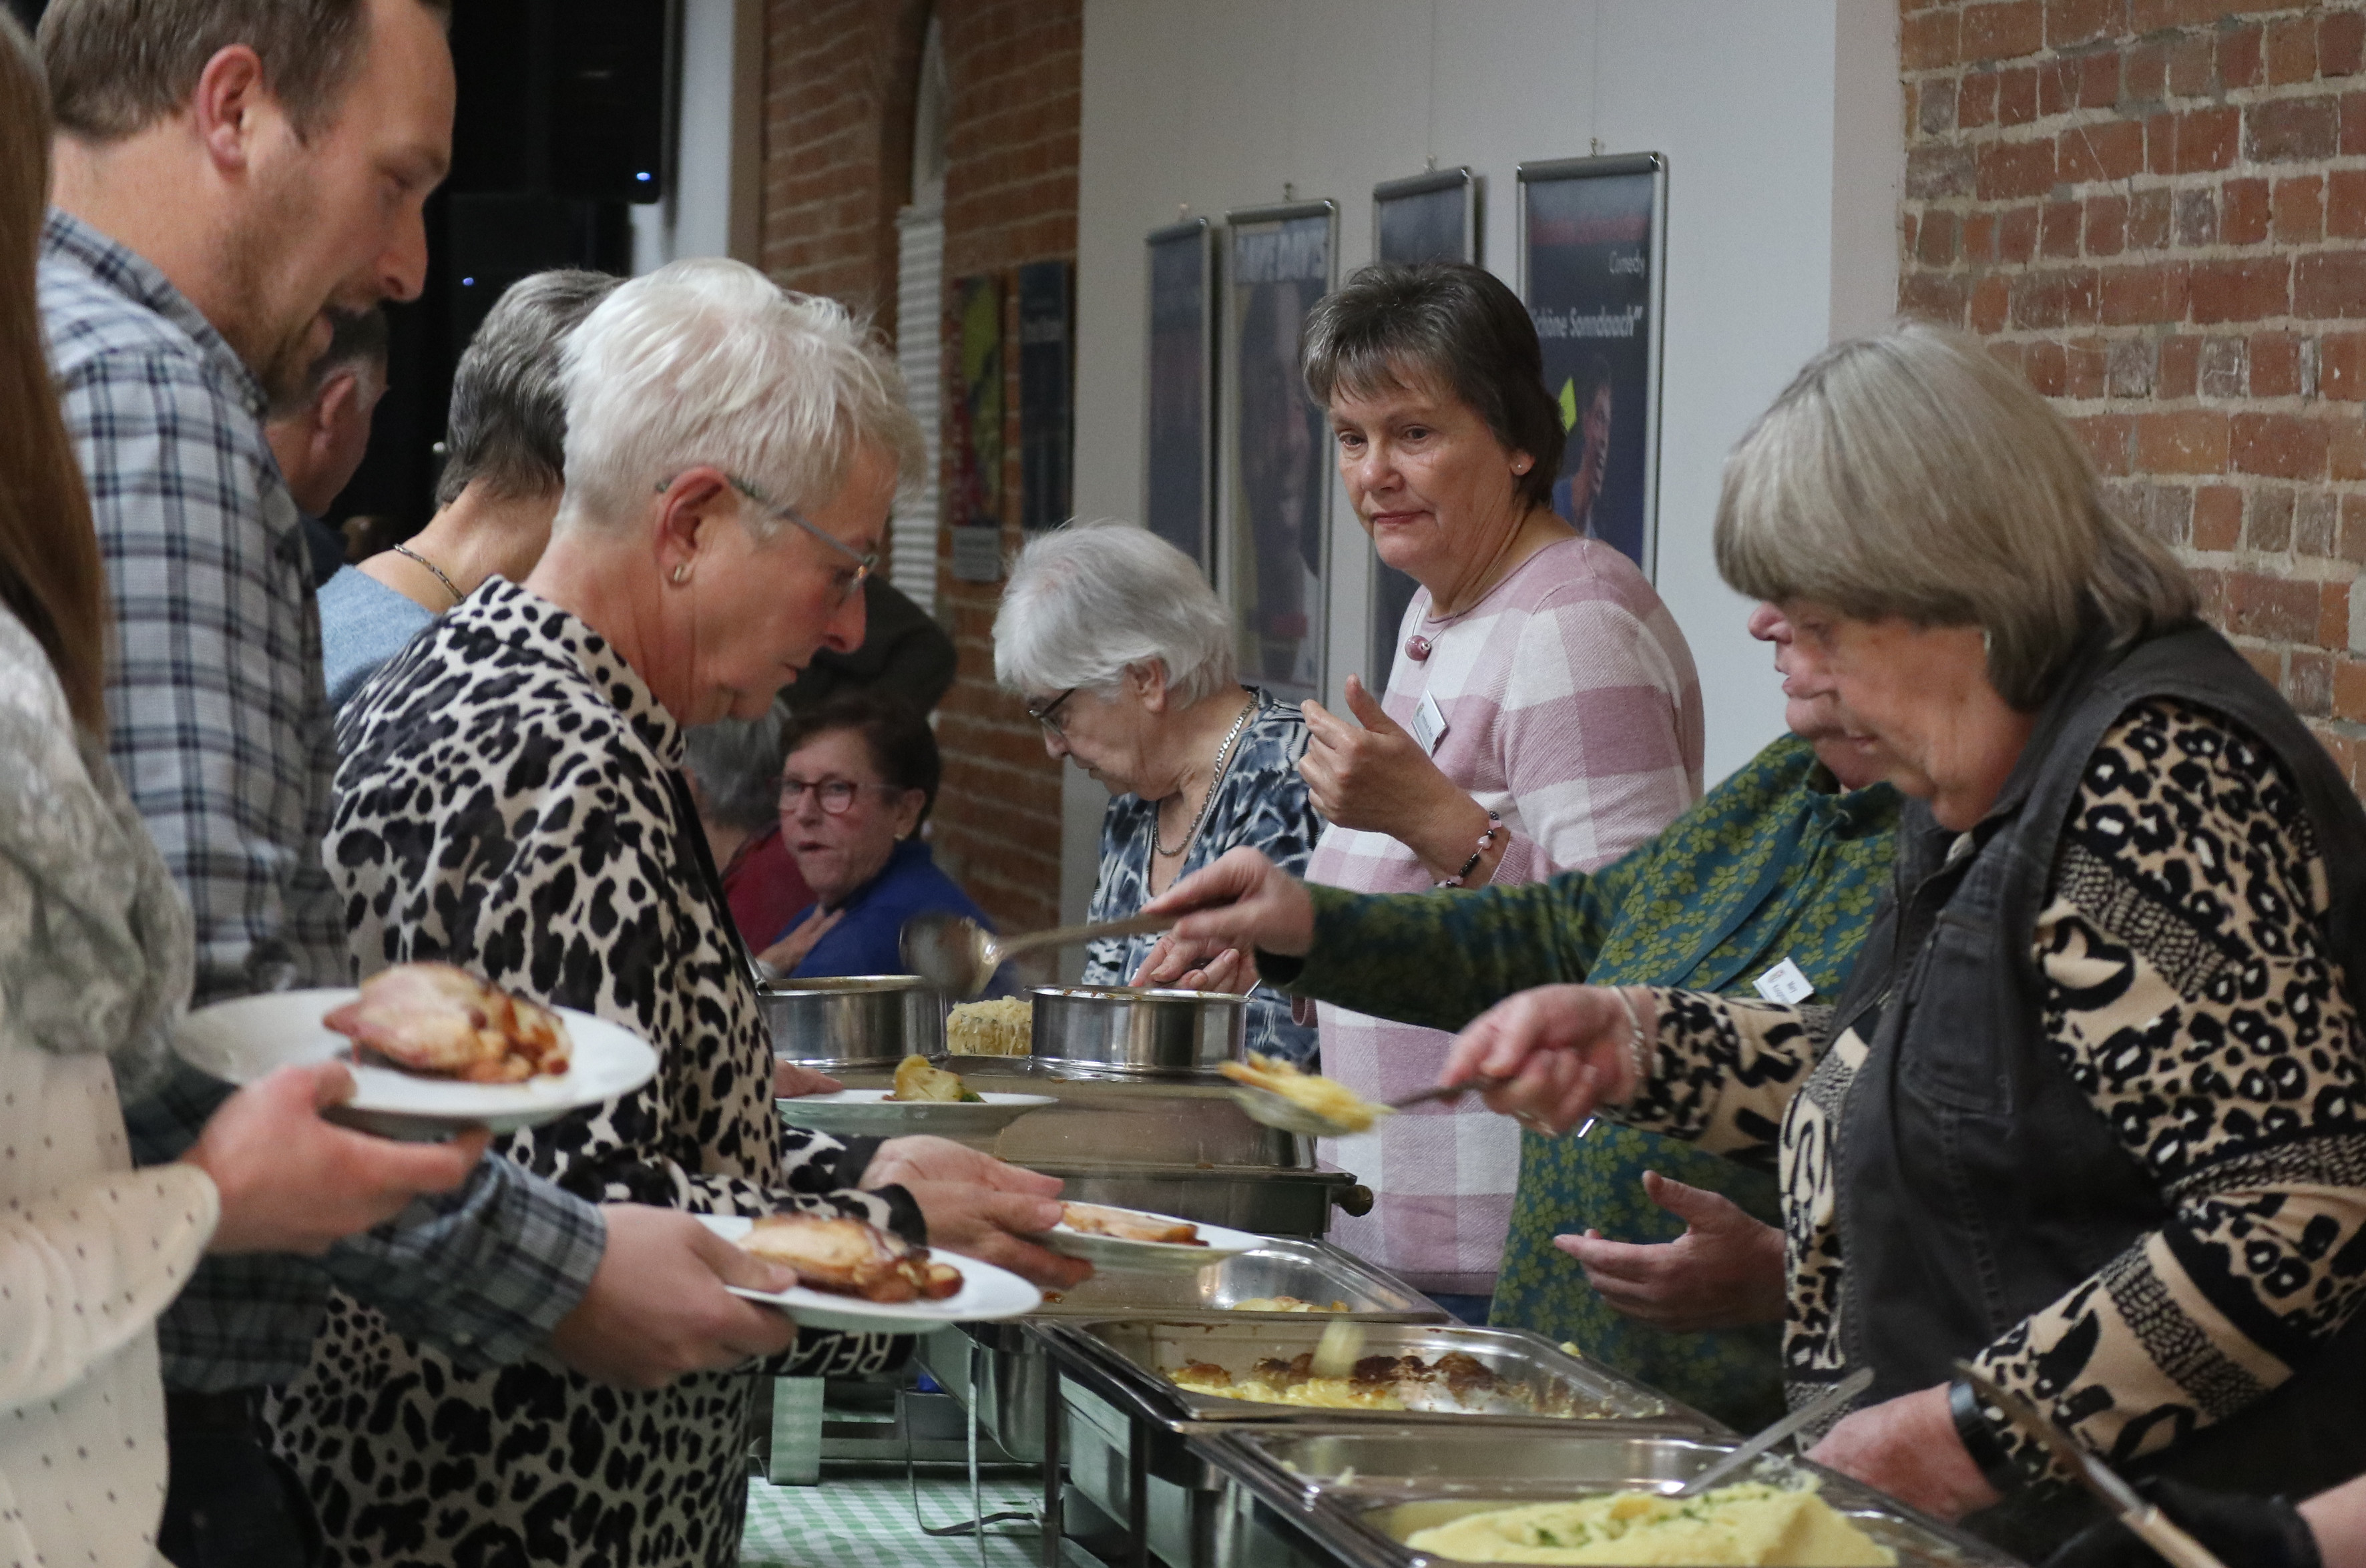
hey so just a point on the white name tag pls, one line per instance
(1428, 723)
(1785, 984)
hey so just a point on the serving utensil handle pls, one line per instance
(1073, 936)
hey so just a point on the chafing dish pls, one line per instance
(1120, 1031)
(853, 1019)
(1348, 1496)
(1535, 1383)
(1311, 1271)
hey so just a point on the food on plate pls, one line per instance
(1374, 1383)
(1129, 1224)
(1002, 1026)
(1326, 1098)
(851, 1257)
(1749, 1524)
(434, 1019)
(1283, 1303)
(915, 1079)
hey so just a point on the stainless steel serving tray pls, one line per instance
(1123, 1031)
(1537, 1383)
(1355, 1493)
(1311, 1271)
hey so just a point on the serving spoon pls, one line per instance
(1284, 1114)
(959, 956)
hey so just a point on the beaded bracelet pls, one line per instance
(1486, 842)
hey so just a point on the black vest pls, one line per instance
(1976, 1183)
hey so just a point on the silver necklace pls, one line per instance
(449, 586)
(1215, 778)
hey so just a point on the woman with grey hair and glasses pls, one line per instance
(1123, 654)
(510, 800)
(2086, 1116)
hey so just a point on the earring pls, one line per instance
(681, 574)
(1520, 467)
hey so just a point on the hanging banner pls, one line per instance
(1592, 234)
(1047, 399)
(977, 509)
(1280, 261)
(1179, 452)
(1432, 217)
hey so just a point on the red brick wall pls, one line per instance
(2158, 209)
(841, 76)
(1014, 72)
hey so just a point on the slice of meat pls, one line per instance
(434, 1018)
(1129, 1224)
(851, 1257)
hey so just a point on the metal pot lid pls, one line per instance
(842, 985)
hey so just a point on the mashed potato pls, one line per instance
(1752, 1524)
(1003, 1027)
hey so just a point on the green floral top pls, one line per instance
(1772, 864)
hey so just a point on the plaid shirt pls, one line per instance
(220, 729)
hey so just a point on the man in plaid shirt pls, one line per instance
(215, 199)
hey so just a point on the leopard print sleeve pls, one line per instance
(1724, 1069)
(2189, 994)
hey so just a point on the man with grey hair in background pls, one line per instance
(321, 437)
(504, 455)
(218, 189)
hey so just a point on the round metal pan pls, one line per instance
(1123, 1031)
(853, 1019)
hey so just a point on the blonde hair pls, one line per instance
(1910, 473)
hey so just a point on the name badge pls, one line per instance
(1785, 984)
(1428, 723)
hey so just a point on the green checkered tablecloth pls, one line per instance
(867, 1522)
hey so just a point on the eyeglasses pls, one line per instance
(834, 796)
(1048, 716)
(865, 561)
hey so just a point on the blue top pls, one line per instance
(363, 624)
(868, 938)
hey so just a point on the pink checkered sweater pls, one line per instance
(1573, 710)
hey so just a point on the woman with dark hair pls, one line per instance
(1542, 714)
(860, 778)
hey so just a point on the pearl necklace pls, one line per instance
(1216, 777)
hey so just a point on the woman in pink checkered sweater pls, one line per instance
(1542, 715)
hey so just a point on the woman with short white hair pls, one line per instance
(510, 800)
(1124, 655)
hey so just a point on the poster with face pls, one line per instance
(1591, 236)
(1176, 490)
(1432, 217)
(1278, 451)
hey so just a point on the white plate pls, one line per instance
(987, 1293)
(1164, 1257)
(857, 1111)
(241, 1041)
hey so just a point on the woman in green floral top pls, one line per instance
(1785, 860)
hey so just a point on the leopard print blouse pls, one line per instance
(2189, 994)
(506, 802)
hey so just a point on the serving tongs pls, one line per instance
(958, 956)
(2147, 1523)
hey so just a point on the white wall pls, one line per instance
(696, 218)
(1781, 120)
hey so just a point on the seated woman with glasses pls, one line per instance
(1124, 655)
(860, 779)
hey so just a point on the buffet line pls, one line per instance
(1285, 1405)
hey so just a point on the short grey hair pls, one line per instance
(737, 765)
(709, 361)
(508, 423)
(1911, 473)
(1089, 602)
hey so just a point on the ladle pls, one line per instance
(959, 956)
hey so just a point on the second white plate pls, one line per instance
(1114, 1253)
(858, 1111)
(987, 1293)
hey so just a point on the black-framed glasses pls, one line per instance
(834, 796)
(865, 561)
(1048, 716)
